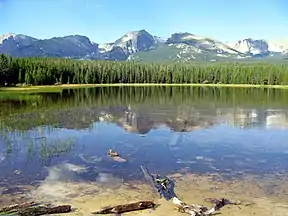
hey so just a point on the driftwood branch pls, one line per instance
(33, 209)
(42, 210)
(150, 180)
(159, 185)
(16, 207)
(119, 209)
(163, 185)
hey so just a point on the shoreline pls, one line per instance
(194, 189)
(71, 86)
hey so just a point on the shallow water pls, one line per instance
(53, 147)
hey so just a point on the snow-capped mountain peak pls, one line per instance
(180, 46)
(130, 36)
(135, 41)
(10, 42)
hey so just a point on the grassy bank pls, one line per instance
(58, 88)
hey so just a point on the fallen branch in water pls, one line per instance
(150, 180)
(42, 210)
(119, 209)
(16, 207)
(33, 209)
(162, 185)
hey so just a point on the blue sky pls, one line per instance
(107, 20)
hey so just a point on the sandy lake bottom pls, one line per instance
(257, 197)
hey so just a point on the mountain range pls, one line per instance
(142, 46)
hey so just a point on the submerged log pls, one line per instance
(33, 209)
(119, 209)
(42, 210)
(162, 186)
(15, 207)
(150, 180)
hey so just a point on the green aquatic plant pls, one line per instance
(56, 148)
(39, 145)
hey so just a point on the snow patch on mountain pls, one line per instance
(186, 48)
(106, 47)
(251, 46)
(6, 36)
(277, 45)
(160, 40)
(128, 41)
(260, 47)
(274, 47)
(203, 43)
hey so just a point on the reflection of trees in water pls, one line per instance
(34, 143)
(181, 108)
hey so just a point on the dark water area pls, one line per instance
(231, 132)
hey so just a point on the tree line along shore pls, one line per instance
(51, 71)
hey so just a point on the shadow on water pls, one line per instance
(231, 132)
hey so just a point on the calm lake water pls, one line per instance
(232, 132)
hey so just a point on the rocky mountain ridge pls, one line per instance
(141, 46)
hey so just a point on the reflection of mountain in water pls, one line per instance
(133, 122)
(144, 120)
(276, 120)
(180, 109)
(141, 120)
(245, 118)
(186, 125)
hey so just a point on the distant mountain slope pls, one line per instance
(75, 46)
(185, 47)
(142, 46)
(9, 43)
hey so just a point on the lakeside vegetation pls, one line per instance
(48, 71)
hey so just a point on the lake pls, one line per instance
(211, 141)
